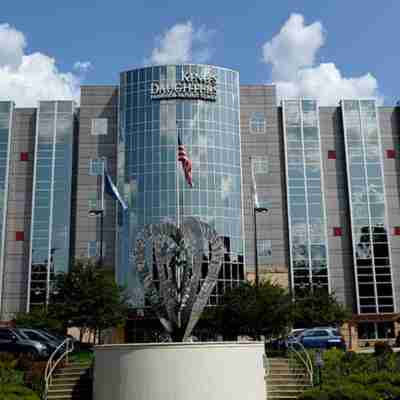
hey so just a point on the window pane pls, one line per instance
(97, 166)
(99, 126)
(257, 122)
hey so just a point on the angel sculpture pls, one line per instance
(169, 260)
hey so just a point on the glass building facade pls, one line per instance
(370, 234)
(150, 176)
(51, 199)
(6, 117)
(308, 245)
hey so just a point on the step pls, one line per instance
(81, 396)
(71, 385)
(277, 360)
(75, 367)
(279, 369)
(287, 372)
(289, 386)
(68, 369)
(69, 392)
(278, 365)
(286, 381)
(79, 362)
(70, 381)
(291, 392)
(74, 374)
(69, 397)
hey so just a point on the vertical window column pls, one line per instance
(51, 202)
(6, 115)
(306, 207)
(371, 247)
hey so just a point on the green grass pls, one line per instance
(82, 356)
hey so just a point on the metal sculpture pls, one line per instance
(169, 260)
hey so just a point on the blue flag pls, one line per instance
(112, 190)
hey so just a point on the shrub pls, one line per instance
(339, 364)
(8, 374)
(17, 392)
(343, 391)
(33, 375)
(382, 348)
(358, 376)
(21, 371)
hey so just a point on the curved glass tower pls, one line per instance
(199, 103)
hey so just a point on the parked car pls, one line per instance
(13, 341)
(59, 336)
(35, 334)
(325, 337)
(284, 342)
(294, 336)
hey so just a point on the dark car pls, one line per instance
(12, 341)
(35, 334)
(322, 338)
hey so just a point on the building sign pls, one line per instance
(192, 86)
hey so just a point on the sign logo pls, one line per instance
(192, 86)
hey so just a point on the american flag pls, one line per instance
(186, 162)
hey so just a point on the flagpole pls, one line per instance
(178, 201)
(102, 186)
(102, 214)
(177, 179)
(178, 267)
(256, 209)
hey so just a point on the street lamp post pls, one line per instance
(255, 211)
(100, 212)
(319, 362)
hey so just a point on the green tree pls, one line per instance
(88, 298)
(252, 311)
(12, 386)
(38, 318)
(318, 308)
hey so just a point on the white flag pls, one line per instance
(256, 204)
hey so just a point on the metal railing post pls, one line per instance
(51, 364)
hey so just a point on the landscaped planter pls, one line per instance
(180, 371)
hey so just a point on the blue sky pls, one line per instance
(324, 44)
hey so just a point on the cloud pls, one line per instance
(292, 55)
(181, 44)
(12, 44)
(83, 66)
(28, 78)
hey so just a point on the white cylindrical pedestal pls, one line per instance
(180, 371)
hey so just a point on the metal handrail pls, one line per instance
(304, 357)
(267, 364)
(52, 364)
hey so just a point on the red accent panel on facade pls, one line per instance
(19, 236)
(331, 154)
(24, 156)
(390, 153)
(396, 231)
(337, 231)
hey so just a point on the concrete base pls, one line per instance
(180, 371)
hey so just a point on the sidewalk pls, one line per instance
(371, 349)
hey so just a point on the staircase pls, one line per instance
(286, 381)
(72, 382)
